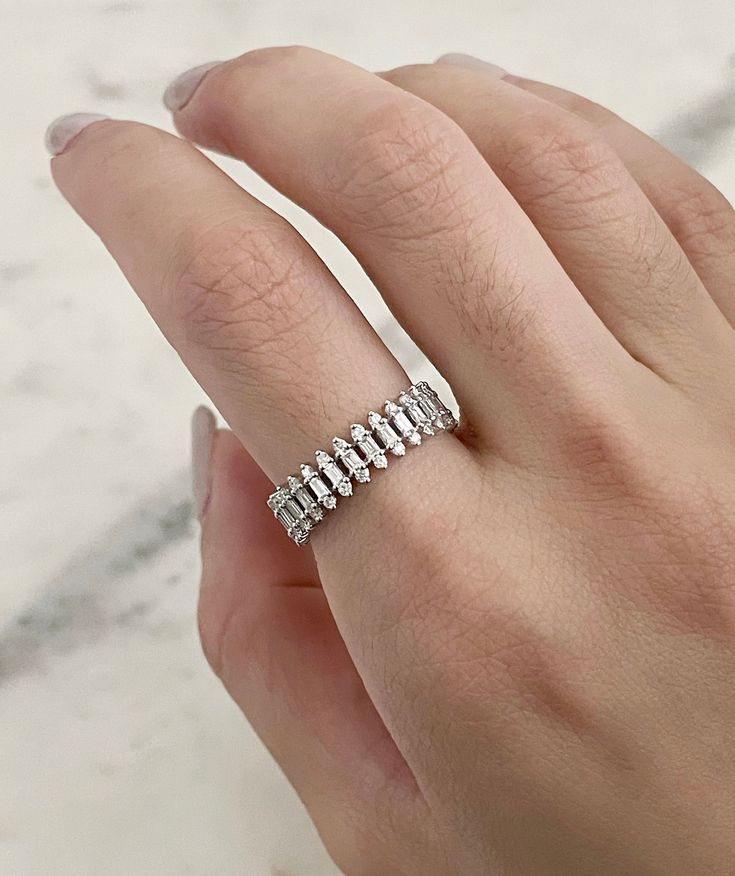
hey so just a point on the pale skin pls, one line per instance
(513, 653)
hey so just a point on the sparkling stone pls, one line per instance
(417, 415)
(300, 536)
(321, 491)
(447, 419)
(368, 446)
(386, 435)
(428, 406)
(345, 487)
(275, 500)
(305, 498)
(286, 517)
(333, 473)
(350, 459)
(292, 506)
(400, 420)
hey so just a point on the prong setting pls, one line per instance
(301, 503)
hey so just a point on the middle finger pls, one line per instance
(453, 254)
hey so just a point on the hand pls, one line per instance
(514, 651)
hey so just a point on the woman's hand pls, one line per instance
(514, 652)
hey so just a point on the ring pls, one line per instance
(301, 503)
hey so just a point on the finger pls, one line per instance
(264, 327)
(454, 256)
(600, 225)
(268, 633)
(699, 216)
(275, 342)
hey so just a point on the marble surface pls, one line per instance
(119, 753)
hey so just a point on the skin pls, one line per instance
(525, 664)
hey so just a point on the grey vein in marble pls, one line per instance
(75, 606)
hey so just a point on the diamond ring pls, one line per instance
(302, 502)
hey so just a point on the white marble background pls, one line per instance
(119, 753)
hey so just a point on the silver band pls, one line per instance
(301, 503)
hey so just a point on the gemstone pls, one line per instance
(275, 500)
(304, 498)
(350, 459)
(418, 417)
(447, 420)
(286, 517)
(333, 473)
(427, 403)
(344, 488)
(292, 506)
(386, 435)
(321, 491)
(368, 446)
(400, 420)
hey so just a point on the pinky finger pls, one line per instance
(697, 214)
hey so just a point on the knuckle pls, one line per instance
(660, 263)
(236, 290)
(552, 155)
(694, 580)
(701, 217)
(402, 161)
(602, 449)
(677, 524)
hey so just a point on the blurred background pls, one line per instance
(119, 752)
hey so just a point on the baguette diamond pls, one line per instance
(333, 473)
(301, 503)
(368, 446)
(418, 416)
(317, 486)
(385, 433)
(305, 499)
(348, 456)
(400, 420)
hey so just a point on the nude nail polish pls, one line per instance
(203, 427)
(62, 131)
(182, 89)
(457, 59)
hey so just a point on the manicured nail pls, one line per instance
(203, 426)
(472, 63)
(182, 89)
(63, 130)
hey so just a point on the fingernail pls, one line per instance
(63, 130)
(182, 89)
(469, 61)
(203, 426)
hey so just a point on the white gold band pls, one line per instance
(301, 503)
